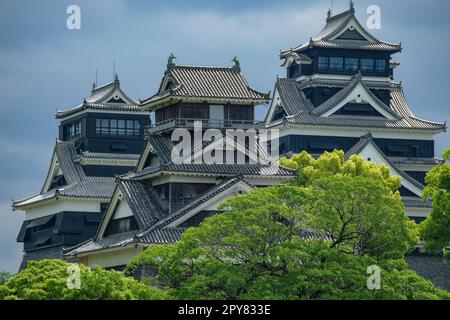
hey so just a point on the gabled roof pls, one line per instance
(156, 232)
(345, 92)
(368, 140)
(142, 200)
(78, 184)
(329, 36)
(108, 97)
(218, 189)
(212, 84)
(301, 112)
(162, 146)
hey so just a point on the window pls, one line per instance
(118, 127)
(74, 130)
(104, 129)
(351, 64)
(336, 63)
(113, 127)
(137, 128)
(367, 65)
(122, 225)
(294, 71)
(380, 65)
(130, 127)
(323, 63)
(121, 126)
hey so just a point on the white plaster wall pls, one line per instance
(118, 257)
(60, 205)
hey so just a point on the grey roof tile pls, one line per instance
(364, 141)
(79, 185)
(98, 101)
(335, 25)
(416, 202)
(344, 92)
(218, 189)
(143, 201)
(300, 111)
(207, 82)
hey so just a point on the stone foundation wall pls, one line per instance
(435, 269)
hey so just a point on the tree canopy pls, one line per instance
(357, 202)
(435, 230)
(47, 280)
(313, 239)
(256, 251)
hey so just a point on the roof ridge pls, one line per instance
(340, 15)
(168, 219)
(189, 66)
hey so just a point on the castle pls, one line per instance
(113, 188)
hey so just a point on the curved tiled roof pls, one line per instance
(205, 82)
(79, 185)
(344, 92)
(143, 201)
(98, 100)
(336, 25)
(301, 112)
(367, 139)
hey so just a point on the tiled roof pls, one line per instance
(416, 161)
(143, 201)
(151, 220)
(344, 92)
(333, 27)
(218, 189)
(98, 100)
(416, 202)
(220, 169)
(367, 139)
(119, 240)
(206, 82)
(163, 147)
(104, 155)
(79, 185)
(300, 111)
(162, 236)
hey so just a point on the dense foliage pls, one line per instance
(275, 243)
(4, 276)
(435, 230)
(47, 280)
(357, 202)
(255, 252)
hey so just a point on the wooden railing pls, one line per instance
(188, 123)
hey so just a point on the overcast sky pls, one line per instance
(45, 66)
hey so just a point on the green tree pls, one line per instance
(313, 239)
(4, 276)
(435, 230)
(256, 250)
(47, 280)
(357, 202)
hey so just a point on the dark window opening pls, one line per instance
(57, 182)
(336, 63)
(116, 127)
(358, 109)
(367, 65)
(122, 225)
(73, 130)
(351, 64)
(294, 70)
(322, 63)
(380, 65)
(279, 113)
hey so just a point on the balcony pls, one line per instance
(188, 123)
